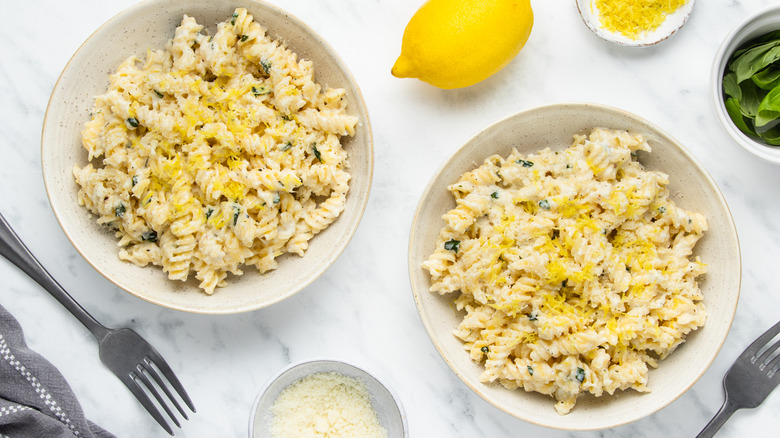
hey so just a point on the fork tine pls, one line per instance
(770, 367)
(132, 384)
(150, 387)
(767, 353)
(160, 363)
(152, 372)
(762, 340)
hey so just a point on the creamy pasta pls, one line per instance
(574, 269)
(216, 152)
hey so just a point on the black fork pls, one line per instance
(137, 364)
(750, 379)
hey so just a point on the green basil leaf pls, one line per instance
(731, 86)
(769, 109)
(751, 98)
(757, 42)
(732, 107)
(771, 136)
(767, 78)
(755, 60)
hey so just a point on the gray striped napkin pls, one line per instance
(35, 399)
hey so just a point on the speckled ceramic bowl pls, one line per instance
(387, 405)
(690, 187)
(151, 24)
(753, 26)
(674, 22)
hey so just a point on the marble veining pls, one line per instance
(362, 309)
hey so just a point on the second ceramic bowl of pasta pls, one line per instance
(528, 313)
(205, 183)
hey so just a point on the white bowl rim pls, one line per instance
(761, 150)
(358, 95)
(427, 324)
(324, 359)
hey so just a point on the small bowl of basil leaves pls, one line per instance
(746, 84)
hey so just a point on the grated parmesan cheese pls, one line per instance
(325, 405)
(633, 17)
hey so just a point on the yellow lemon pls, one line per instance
(457, 43)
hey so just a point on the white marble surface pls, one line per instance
(362, 309)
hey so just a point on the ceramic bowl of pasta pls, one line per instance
(207, 156)
(575, 266)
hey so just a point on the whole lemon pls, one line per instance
(457, 43)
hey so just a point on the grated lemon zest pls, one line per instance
(632, 18)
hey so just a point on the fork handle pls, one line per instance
(12, 248)
(719, 419)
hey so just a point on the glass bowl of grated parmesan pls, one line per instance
(323, 398)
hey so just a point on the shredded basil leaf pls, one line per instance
(132, 122)
(261, 90)
(530, 370)
(544, 204)
(266, 65)
(287, 145)
(233, 21)
(276, 198)
(580, 375)
(149, 236)
(494, 195)
(532, 316)
(236, 213)
(317, 152)
(244, 38)
(525, 163)
(452, 245)
(485, 349)
(120, 211)
(209, 213)
(134, 180)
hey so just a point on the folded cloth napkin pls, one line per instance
(35, 399)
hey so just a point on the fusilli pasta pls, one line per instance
(574, 268)
(216, 152)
